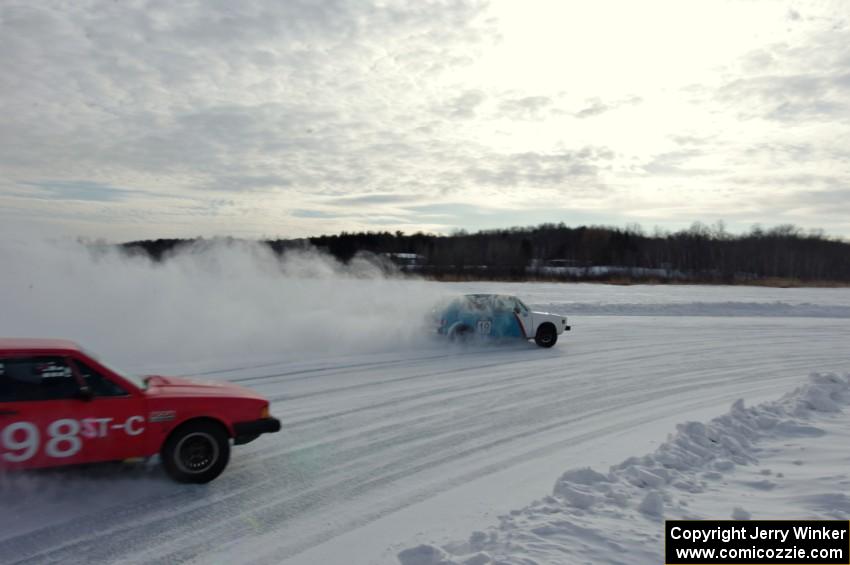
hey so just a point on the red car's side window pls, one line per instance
(28, 379)
(97, 383)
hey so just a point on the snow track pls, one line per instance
(368, 436)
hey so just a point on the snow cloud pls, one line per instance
(209, 301)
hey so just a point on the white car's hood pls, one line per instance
(558, 320)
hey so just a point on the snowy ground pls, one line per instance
(780, 459)
(394, 443)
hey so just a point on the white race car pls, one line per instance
(499, 316)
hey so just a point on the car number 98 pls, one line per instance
(21, 440)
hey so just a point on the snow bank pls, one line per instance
(616, 517)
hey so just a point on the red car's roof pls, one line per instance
(36, 344)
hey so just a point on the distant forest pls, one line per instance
(779, 255)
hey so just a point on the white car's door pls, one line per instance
(524, 316)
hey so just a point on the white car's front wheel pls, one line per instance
(546, 336)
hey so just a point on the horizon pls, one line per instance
(163, 121)
(713, 230)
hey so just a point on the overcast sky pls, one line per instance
(129, 120)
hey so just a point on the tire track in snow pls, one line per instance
(426, 421)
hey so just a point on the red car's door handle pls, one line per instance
(8, 412)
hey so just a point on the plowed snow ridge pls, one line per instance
(615, 516)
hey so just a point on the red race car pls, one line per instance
(61, 406)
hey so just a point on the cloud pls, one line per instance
(539, 169)
(375, 199)
(525, 108)
(169, 119)
(304, 213)
(79, 190)
(692, 140)
(223, 97)
(463, 106)
(782, 153)
(834, 202)
(791, 201)
(451, 209)
(790, 98)
(239, 183)
(596, 106)
(794, 85)
(675, 163)
(799, 182)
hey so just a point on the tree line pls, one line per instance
(701, 253)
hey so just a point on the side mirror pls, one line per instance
(85, 393)
(516, 309)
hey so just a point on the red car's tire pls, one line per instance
(196, 452)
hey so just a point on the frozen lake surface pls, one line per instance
(408, 442)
